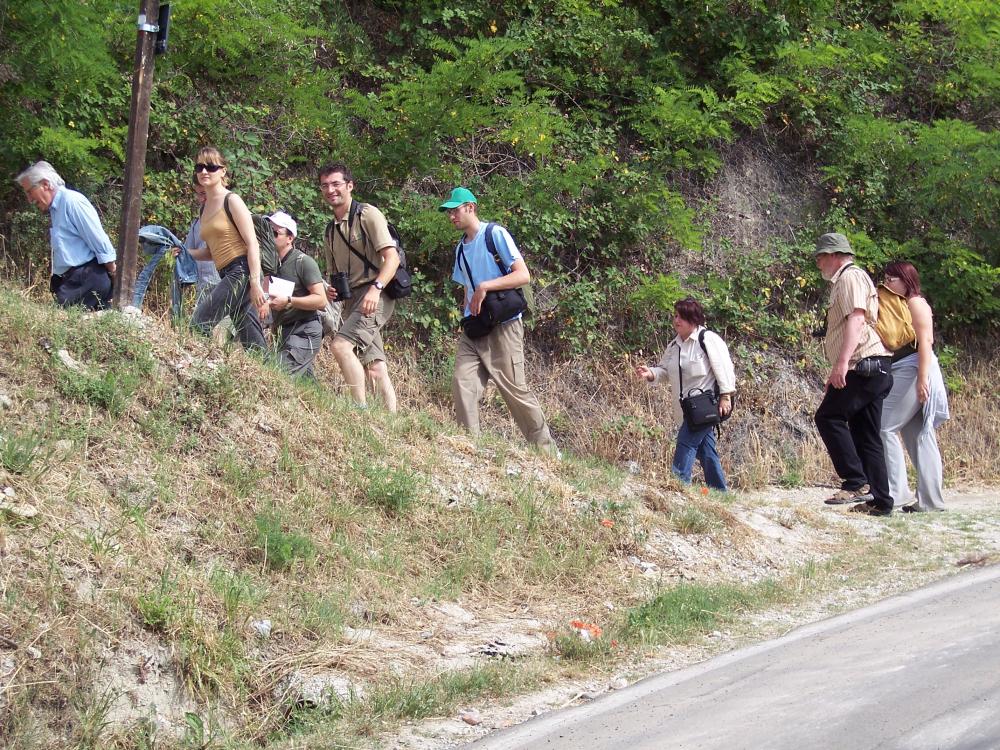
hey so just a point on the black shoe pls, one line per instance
(912, 508)
(870, 510)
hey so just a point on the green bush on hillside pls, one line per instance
(590, 130)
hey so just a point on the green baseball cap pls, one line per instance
(458, 196)
(833, 242)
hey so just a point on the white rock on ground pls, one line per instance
(21, 510)
(316, 689)
(67, 359)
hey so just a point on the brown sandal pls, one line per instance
(845, 497)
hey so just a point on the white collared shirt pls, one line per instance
(697, 369)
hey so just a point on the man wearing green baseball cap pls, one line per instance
(849, 417)
(487, 261)
(458, 196)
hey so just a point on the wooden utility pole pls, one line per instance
(135, 160)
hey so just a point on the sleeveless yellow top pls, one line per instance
(223, 239)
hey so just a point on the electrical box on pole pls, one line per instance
(164, 24)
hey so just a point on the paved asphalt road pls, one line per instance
(917, 672)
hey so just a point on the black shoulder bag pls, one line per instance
(498, 307)
(700, 407)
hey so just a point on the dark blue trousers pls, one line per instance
(88, 285)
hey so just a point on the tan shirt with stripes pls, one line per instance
(851, 289)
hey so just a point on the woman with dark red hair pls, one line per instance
(917, 403)
(697, 359)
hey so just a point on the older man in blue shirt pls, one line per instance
(83, 258)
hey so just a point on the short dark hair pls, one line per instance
(907, 273)
(690, 309)
(336, 167)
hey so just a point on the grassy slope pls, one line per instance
(185, 492)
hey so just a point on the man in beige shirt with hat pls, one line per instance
(850, 415)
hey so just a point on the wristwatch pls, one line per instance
(378, 285)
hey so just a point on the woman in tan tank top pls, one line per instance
(232, 245)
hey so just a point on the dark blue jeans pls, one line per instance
(88, 285)
(698, 442)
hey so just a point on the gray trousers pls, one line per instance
(903, 413)
(231, 297)
(298, 346)
(498, 356)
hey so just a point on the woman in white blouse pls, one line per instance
(696, 359)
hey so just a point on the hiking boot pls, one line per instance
(845, 497)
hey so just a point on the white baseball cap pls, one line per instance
(283, 220)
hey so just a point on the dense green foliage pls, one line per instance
(592, 129)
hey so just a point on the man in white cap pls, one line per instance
(850, 416)
(296, 295)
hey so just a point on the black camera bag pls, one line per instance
(499, 306)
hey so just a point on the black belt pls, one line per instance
(308, 319)
(905, 351)
(240, 264)
(92, 263)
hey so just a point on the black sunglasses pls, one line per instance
(199, 167)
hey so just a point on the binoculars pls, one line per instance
(341, 285)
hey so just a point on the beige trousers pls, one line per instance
(498, 356)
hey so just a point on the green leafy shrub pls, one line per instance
(394, 490)
(111, 390)
(25, 452)
(165, 607)
(279, 548)
(589, 130)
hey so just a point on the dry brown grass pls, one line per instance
(970, 440)
(596, 408)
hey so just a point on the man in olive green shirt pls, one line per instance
(295, 318)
